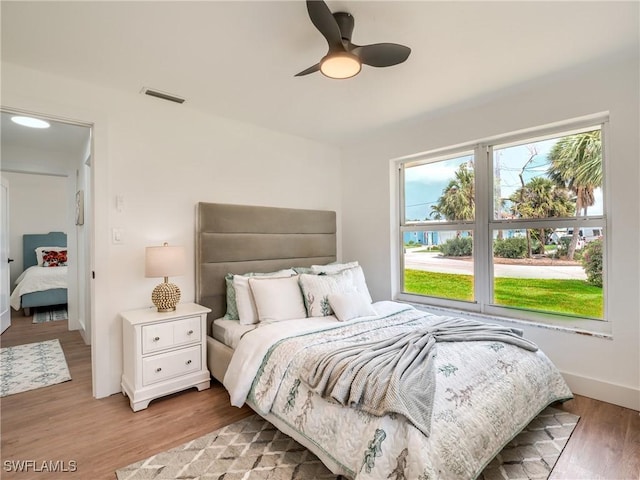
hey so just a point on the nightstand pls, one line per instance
(164, 352)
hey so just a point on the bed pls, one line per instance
(484, 390)
(37, 286)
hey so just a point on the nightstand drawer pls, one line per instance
(186, 331)
(171, 364)
(156, 337)
(164, 335)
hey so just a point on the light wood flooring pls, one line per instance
(64, 422)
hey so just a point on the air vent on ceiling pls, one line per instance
(163, 95)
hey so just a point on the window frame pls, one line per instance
(485, 224)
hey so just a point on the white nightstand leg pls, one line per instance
(137, 406)
(203, 385)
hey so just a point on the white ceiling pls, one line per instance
(59, 137)
(238, 59)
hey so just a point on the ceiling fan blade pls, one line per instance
(381, 54)
(309, 70)
(324, 21)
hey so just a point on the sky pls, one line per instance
(424, 184)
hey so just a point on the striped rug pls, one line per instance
(50, 314)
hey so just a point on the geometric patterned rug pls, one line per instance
(253, 449)
(31, 366)
(533, 453)
(50, 314)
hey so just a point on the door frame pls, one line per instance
(5, 315)
(87, 247)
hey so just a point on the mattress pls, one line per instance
(229, 332)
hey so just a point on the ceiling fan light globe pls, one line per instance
(340, 65)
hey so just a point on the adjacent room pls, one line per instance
(309, 239)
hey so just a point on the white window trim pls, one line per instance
(483, 264)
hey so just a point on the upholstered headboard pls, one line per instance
(241, 238)
(32, 241)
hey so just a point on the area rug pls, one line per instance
(31, 366)
(252, 449)
(50, 314)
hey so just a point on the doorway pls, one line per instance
(60, 153)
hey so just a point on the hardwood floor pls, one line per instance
(65, 423)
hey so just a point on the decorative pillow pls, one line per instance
(347, 306)
(277, 299)
(358, 275)
(316, 289)
(300, 270)
(246, 307)
(232, 307)
(39, 251)
(52, 258)
(333, 267)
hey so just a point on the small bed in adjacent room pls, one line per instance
(375, 389)
(43, 281)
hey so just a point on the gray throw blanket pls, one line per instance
(397, 375)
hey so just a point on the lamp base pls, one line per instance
(165, 297)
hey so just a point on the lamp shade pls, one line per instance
(164, 261)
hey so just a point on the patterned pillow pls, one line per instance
(300, 270)
(358, 275)
(316, 290)
(232, 307)
(53, 258)
(39, 251)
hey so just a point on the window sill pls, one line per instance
(592, 328)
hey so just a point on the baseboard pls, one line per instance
(606, 392)
(85, 337)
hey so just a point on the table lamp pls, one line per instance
(165, 261)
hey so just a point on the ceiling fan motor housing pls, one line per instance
(345, 23)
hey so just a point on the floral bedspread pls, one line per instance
(485, 393)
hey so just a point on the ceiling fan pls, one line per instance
(344, 59)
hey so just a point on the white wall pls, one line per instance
(163, 158)
(37, 204)
(607, 369)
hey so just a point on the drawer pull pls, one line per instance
(188, 362)
(158, 370)
(190, 332)
(155, 339)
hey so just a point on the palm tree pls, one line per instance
(457, 201)
(541, 198)
(576, 164)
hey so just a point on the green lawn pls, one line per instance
(574, 297)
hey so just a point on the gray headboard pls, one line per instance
(32, 241)
(241, 238)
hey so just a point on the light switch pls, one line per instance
(120, 203)
(118, 235)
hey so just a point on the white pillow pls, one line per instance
(358, 275)
(247, 313)
(316, 289)
(39, 250)
(333, 267)
(277, 299)
(347, 306)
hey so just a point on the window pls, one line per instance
(513, 227)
